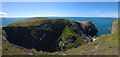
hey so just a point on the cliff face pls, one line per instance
(50, 34)
(106, 44)
(89, 28)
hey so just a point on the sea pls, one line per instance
(102, 23)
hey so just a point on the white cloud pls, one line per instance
(2, 13)
(50, 15)
(97, 10)
(97, 13)
(108, 15)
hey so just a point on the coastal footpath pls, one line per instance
(106, 44)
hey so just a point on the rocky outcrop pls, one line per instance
(50, 34)
(89, 28)
(114, 27)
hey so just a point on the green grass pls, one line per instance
(68, 32)
(11, 49)
(105, 45)
(59, 26)
(36, 22)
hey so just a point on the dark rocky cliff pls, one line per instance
(50, 34)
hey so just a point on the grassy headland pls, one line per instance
(66, 30)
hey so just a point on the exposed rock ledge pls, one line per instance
(114, 27)
(50, 34)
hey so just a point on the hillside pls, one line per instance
(46, 35)
(104, 45)
(107, 43)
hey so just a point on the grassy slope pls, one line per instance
(104, 45)
(36, 22)
(9, 48)
(0, 41)
(68, 32)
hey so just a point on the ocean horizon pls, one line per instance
(102, 23)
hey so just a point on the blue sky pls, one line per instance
(60, 0)
(60, 9)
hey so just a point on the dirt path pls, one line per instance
(92, 49)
